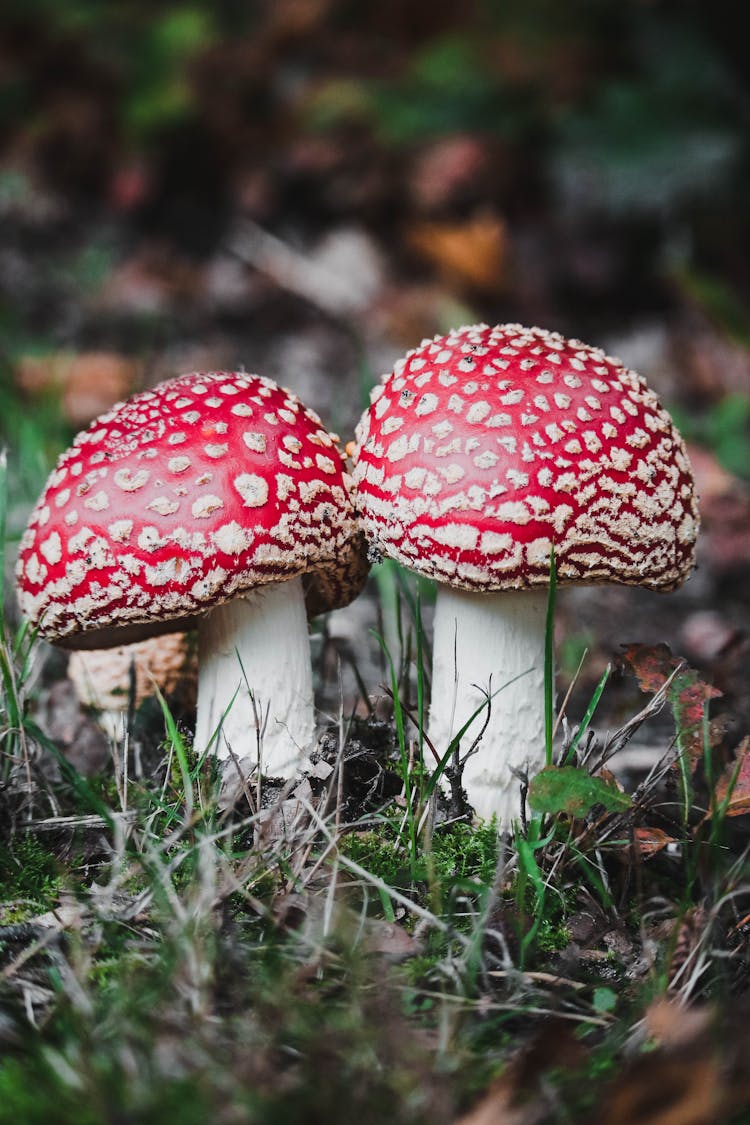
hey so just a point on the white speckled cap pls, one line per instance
(181, 498)
(485, 447)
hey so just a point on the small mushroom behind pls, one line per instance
(481, 452)
(105, 680)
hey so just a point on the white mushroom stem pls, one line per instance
(484, 642)
(254, 664)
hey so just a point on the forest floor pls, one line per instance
(353, 944)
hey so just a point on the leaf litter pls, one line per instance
(612, 899)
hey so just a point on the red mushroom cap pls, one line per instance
(486, 446)
(181, 498)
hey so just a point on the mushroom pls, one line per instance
(482, 451)
(104, 680)
(214, 500)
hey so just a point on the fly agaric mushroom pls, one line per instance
(105, 680)
(482, 451)
(218, 501)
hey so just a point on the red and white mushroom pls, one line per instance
(218, 501)
(482, 450)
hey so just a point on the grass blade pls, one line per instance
(589, 714)
(3, 519)
(420, 675)
(178, 744)
(398, 715)
(549, 659)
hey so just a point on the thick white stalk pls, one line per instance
(257, 646)
(493, 640)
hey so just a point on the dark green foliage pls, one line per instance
(31, 1092)
(450, 87)
(666, 134)
(553, 938)
(33, 439)
(723, 427)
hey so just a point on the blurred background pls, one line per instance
(309, 187)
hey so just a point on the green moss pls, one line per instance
(28, 871)
(463, 851)
(552, 937)
(379, 853)
(459, 854)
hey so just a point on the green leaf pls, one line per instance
(593, 704)
(573, 791)
(604, 1000)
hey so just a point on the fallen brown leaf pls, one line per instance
(471, 253)
(310, 913)
(497, 1108)
(670, 1024)
(650, 841)
(732, 791)
(652, 665)
(89, 383)
(517, 1096)
(685, 1078)
(662, 1089)
(689, 695)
